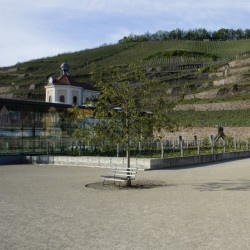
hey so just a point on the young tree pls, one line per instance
(130, 106)
(83, 130)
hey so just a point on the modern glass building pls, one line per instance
(34, 127)
(37, 127)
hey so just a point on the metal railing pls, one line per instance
(152, 149)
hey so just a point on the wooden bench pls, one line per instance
(119, 174)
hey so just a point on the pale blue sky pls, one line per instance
(32, 29)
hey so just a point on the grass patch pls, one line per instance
(229, 118)
(182, 53)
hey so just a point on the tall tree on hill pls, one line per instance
(129, 106)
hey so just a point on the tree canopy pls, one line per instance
(129, 105)
(191, 34)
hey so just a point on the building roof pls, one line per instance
(68, 80)
(65, 80)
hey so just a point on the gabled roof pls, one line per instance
(65, 80)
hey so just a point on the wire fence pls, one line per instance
(151, 149)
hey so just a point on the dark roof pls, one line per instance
(68, 80)
(18, 102)
(65, 80)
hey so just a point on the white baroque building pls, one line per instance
(64, 89)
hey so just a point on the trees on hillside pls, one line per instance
(191, 34)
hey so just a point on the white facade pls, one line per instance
(88, 95)
(64, 94)
(65, 90)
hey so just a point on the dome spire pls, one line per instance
(65, 68)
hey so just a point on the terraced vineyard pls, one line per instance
(202, 72)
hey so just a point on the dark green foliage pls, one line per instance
(229, 118)
(130, 106)
(182, 53)
(191, 34)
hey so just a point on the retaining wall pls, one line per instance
(196, 159)
(11, 159)
(140, 163)
(90, 161)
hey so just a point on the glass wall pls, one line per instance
(33, 127)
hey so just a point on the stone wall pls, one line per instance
(239, 133)
(191, 161)
(88, 161)
(140, 163)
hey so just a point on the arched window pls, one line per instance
(62, 98)
(50, 98)
(75, 100)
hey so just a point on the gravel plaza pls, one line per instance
(50, 207)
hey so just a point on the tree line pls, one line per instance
(191, 34)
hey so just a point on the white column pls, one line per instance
(69, 97)
(55, 95)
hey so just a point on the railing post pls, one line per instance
(118, 150)
(162, 150)
(139, 145)
(181, 144)
(212, 144)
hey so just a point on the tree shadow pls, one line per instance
(225, 185)
(139, 185)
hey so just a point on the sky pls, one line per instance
(32, 29)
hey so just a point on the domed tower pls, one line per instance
(64, 89)
(65, 68)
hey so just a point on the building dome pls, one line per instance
(65, 68)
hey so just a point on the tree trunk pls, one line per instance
(128, 152)
(128, 165)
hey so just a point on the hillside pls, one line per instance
(206, 73)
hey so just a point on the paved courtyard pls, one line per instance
(49, 207)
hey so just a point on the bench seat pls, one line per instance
(118, 174)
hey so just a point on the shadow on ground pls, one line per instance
(225, 185)
(142, 184)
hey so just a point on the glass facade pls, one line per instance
(33, 127)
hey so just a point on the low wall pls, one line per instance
(11, 159)
(140, 163)
(90, 161)
(196, 159)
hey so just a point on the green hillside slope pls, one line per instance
(193, 69)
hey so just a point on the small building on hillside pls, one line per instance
(33, 127)
(64, 89)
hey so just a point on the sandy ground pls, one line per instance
(49, 207)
